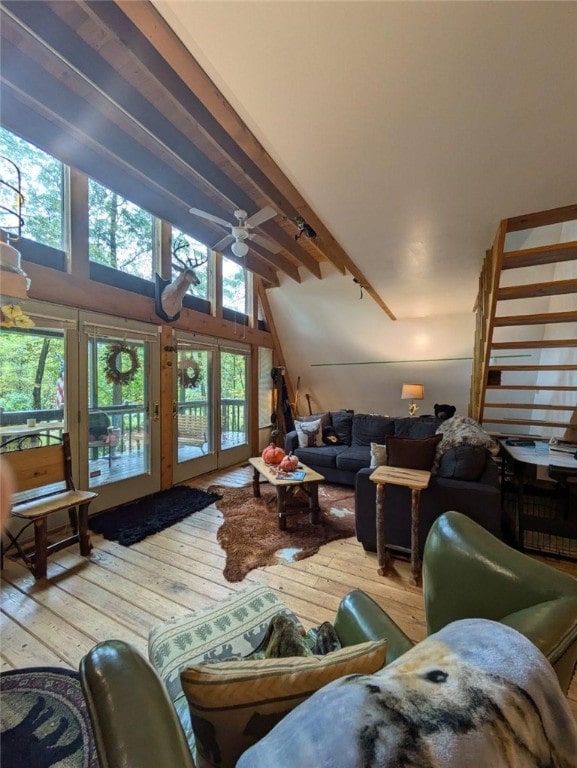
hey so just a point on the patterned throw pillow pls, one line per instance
(309, 433)
(233, 704)
(378, 455)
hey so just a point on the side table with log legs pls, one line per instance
(416, 480)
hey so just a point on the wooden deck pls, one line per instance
(122, 592)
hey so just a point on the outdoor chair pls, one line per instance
(102, 434)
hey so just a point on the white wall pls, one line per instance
(350, 354)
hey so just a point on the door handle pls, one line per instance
(156, 411)
(174, 409)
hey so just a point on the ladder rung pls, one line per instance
(533, 367)
(530, 422)
(533, 406)
(536, 344)
(540, 319)
(532, 257)
(532, 387)
(536, 290)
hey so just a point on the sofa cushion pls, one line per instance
(371, 428)
(309, 433)
(416, 428)
(412, 454)
(342, 422)
(354, 457)
(235, 703)
(320, 457)
(464, 462)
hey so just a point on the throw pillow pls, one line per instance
(330, 437)
(233, 704)
(309, 433)
(412, 454)
(324, 417)
(378, 455)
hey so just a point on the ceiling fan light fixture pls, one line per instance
(239, 248)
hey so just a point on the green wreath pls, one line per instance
(112, 360)
(186, 379)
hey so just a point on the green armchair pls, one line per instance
(469, 573)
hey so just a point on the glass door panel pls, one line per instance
(121, 435)
(194, 426)
(233, 407)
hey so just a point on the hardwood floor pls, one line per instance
(122, 592)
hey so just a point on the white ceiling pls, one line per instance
(411, 128)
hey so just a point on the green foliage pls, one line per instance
(20, 352)
(120, 233)
(187, 248)
(233, 286)
(42, 185)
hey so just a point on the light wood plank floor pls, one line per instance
(122, 592)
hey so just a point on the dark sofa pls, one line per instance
(466, 480)
(355, 431)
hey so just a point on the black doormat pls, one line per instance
(44, 721)
(139, 519)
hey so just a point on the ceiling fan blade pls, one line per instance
(210, 217)
(222, 244)
(270, 245)
(261, 216)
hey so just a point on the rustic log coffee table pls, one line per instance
(286, 487)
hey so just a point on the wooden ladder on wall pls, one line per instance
(527, 318)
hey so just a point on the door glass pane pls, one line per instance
(193, 410)
(118, 419)
(32, 373)
(233, 421)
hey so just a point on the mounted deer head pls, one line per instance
(169, 295)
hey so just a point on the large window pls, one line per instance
(233, 286)
(120, 233)
(42, 189)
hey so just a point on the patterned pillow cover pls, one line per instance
(235, 703)
(378, 455)
(309, 433)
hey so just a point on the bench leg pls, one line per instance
(83, 535)
(40, 565)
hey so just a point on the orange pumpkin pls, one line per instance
(289, 463)
(272, 454)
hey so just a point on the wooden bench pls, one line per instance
(44, 475)
(192, 430)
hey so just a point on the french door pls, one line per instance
(119, 428)
(210, 406)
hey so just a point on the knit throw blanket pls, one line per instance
(477, 693)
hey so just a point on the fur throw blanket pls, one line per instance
(463, 430)
(477, 693)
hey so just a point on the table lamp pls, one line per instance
(413, 392)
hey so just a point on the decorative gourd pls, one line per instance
(272, 454)
(289, 463)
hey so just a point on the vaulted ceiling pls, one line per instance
(88, 81)
(401, 132)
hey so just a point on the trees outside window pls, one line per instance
(120, 233)
(233, 286)
(42, 189)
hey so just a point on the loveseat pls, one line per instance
(465, 476)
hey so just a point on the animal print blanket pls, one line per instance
(477, 693)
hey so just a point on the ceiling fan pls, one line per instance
(240, 232)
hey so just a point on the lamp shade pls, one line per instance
(413, 392)
(239, 248)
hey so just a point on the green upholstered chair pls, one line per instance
(469, 573)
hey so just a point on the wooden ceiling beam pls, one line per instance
(244, 150)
